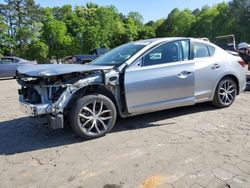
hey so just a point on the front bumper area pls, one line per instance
(34, 110)
(42, 113)
(36, 97)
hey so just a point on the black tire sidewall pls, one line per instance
(77, 106)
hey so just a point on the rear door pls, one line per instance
(208, 69)
(163, 79)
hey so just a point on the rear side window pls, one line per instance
(200, 50)
(211, 50)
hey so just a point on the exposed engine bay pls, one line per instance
(48, 89)
(49, 95)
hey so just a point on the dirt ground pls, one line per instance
(197, 146)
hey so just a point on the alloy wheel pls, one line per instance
(227, 92)
(95, 118)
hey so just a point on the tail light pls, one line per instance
(242, 63)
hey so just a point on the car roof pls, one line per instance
(166, 39)
(158, 40)
(12, 57)
(5, 57)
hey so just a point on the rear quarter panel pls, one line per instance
(232, 67)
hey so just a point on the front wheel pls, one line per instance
(225, 93)
(93, 116)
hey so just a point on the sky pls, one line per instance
(149, 9)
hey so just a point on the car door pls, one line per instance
(163, 78)
(207, 70)
(8, 68)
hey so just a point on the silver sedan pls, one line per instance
(135, 78)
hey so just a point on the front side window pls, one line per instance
(200, 50)
(168, 53)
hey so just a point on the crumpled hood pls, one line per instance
(58, 69)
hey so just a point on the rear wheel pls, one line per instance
(225, 93)
(93, 116)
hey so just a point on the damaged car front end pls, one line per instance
(87, 97)
(47, 92)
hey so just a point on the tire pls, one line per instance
(225, 93)
(92, 116)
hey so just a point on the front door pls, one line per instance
(164, 79)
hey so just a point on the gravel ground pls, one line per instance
(198, 146)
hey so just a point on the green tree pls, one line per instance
(22, 18)
(205, 23)
(100, 26)
(131, 30)
(157, 26)
(224, 21)
(178, 23)
(136, 17)
(240, 11)
(212, 22)
(139, 30)
(135, 29)
(56, 38)
(6, 42)
(39, 51)
(146, 32)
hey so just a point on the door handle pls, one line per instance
(184, 74)
(216, 66)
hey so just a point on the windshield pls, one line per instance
(119, 55)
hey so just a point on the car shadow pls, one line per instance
(150, 119)
(23, 135)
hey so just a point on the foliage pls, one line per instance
(22, 19)
(39, 51)
(34, 32)
(5, 39)
(212, 22)
(240, 12)
(56, 38)
(177, 24)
